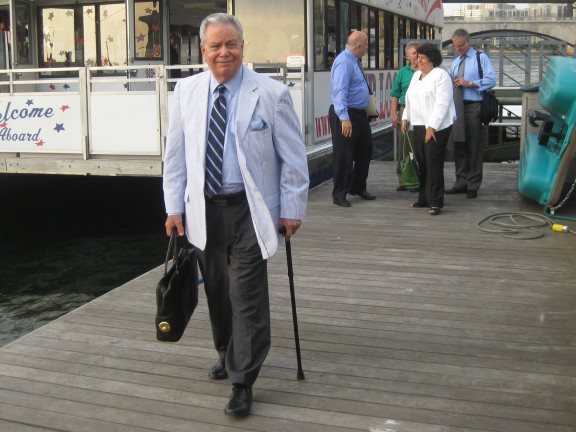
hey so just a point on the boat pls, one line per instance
(86, 88)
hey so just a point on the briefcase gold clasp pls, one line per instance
(164, 327)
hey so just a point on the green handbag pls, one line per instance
(409, 166)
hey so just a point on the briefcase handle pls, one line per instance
(172, 252)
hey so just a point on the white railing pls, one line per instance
(96, 120)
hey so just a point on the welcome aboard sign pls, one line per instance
(41, 124)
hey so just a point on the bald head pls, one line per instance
(357, 43)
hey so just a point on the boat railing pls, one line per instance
(109, 120)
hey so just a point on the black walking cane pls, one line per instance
(300, 373)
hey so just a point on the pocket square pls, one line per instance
(258, 124)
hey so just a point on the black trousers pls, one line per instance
(236, 285)
(430, 159)
(351, 156)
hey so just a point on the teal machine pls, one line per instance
(547, 156)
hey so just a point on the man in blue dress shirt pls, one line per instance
(468, 88)
(351, 134)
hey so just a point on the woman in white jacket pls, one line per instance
(430, 112)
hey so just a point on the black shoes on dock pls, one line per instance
(218, 371)
(240, 401)
(469, 192)
(365, 195)
(241, 398)
(343, 202)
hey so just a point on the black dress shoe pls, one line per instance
(454, 191)
(471, 194)
(240, 401)
(364, 195)
(342, 202)
(218, 371)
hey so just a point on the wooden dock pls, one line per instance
(408, 323)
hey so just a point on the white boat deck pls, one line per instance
(408, 323)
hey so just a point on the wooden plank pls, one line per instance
(408, 323)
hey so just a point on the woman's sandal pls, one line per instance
(434, 211)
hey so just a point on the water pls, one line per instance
(512, 70)
(65, 240)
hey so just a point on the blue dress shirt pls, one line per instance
(348, 87)
(471, 74)
(232, 181)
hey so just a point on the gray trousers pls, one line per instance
(236, 284)
(469, 155)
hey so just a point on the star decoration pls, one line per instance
(69, 13)
(59, 127)
(140, 37)
(51, 16)
(52, 87)
(64, 107)
(105, 62)
(155, 27)
(29, 102)
(66, 86)
(89, 11)
(110, 39)
(90, 62)
(148, 10)
(62, 53)
(3, 124)
(40, 143)
(79, 40)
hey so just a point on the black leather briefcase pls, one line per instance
(177, 291)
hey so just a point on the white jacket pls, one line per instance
(433, 96)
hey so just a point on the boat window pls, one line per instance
(58, 37)
(344, 27)
(148, 30)
(23, 55)
(285, 34)
(381, 42)
(87, 35)
(320, 54)
(112, 34)
(372, 34)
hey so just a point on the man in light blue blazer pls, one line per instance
(236, 200)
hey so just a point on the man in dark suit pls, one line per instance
(236, 165)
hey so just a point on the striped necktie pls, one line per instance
(215, 144)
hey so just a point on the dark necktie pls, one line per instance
(364, 75)
(461, 66)
(215, 144)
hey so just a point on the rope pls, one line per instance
(520, 226)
